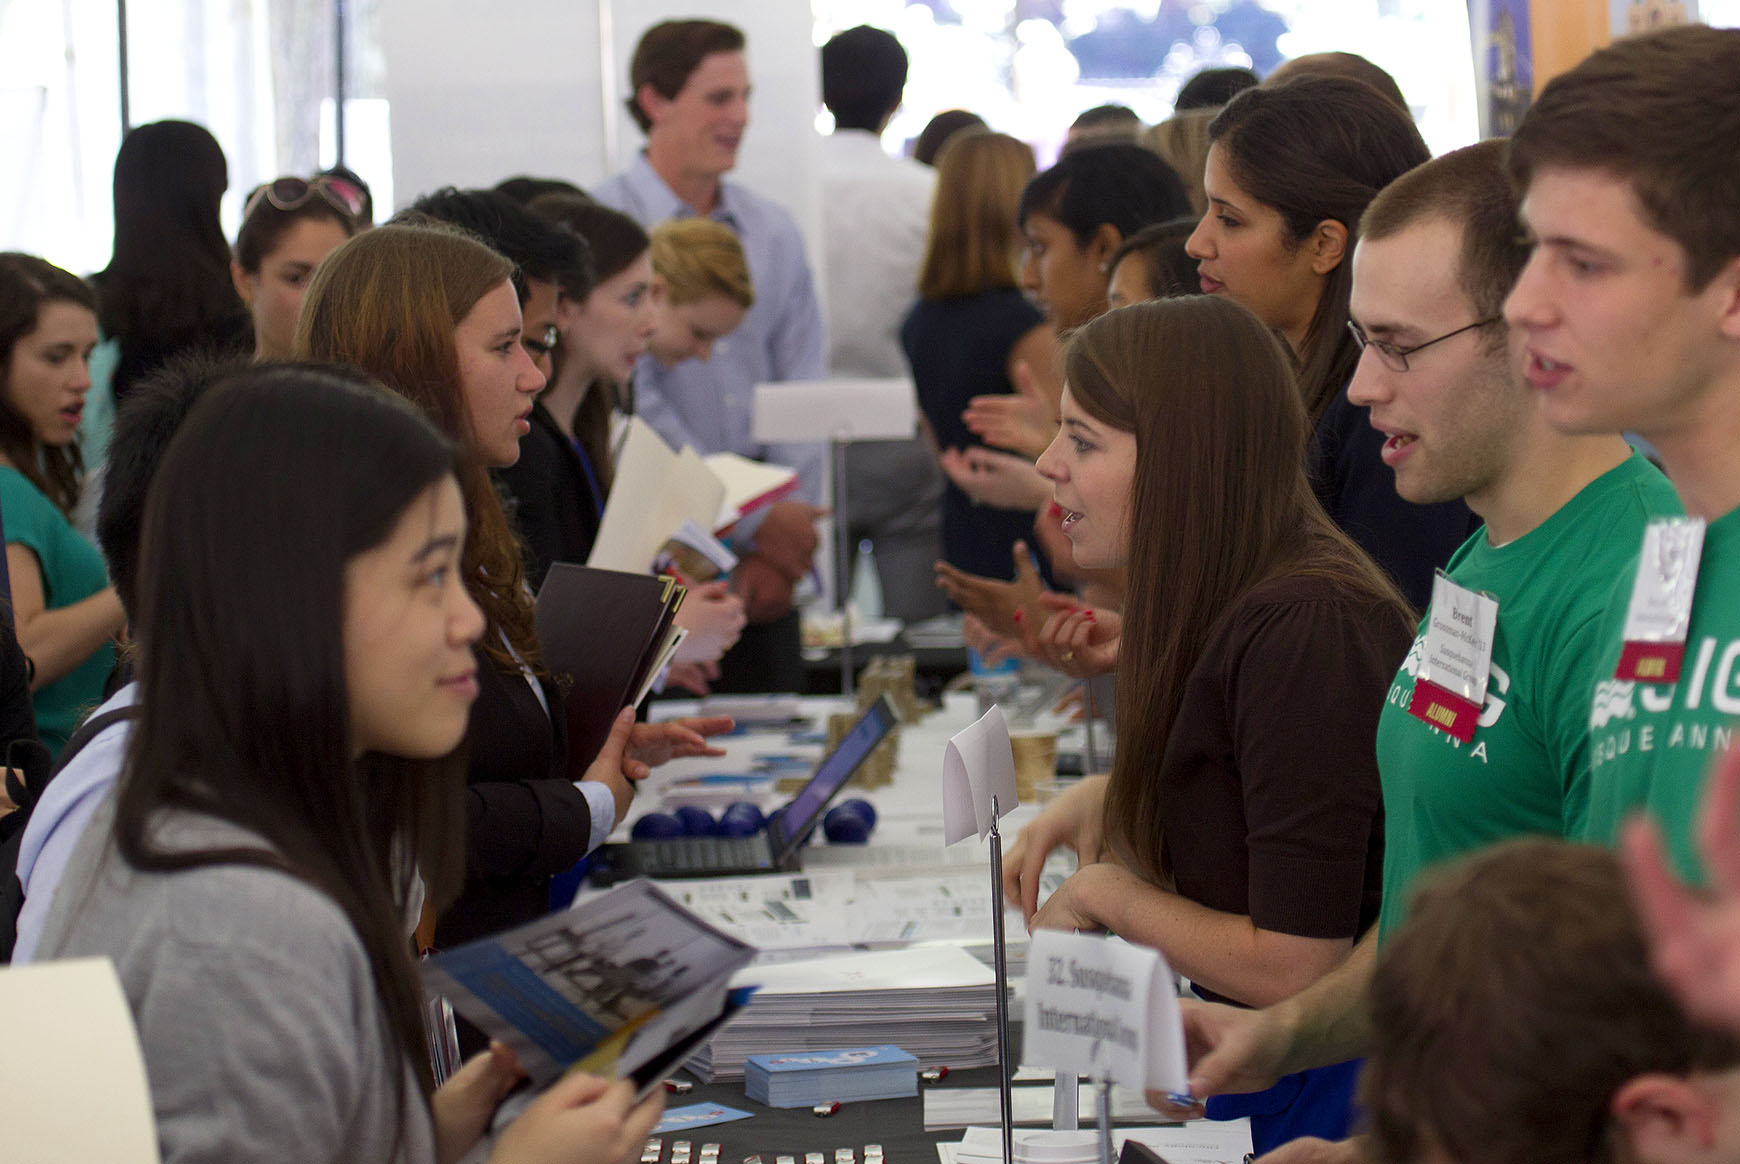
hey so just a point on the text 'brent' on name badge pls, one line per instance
(1451, 685)
(1104, 1009)
(1660, 613)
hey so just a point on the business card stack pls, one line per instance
(808, 1078)
(938, 1003)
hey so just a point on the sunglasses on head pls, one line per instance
(291, 193)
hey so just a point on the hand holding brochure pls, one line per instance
(624, 985)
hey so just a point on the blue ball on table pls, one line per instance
(656, 826)
(697, 822)
(741, 819)
(849, 823)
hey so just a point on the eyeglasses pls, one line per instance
(292, 193)
(539, 348)
(1396, 358)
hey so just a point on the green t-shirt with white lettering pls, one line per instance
(1651, 745)
(1524, 771)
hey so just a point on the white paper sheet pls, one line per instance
(978, 763)
(72, 1075)
(841, 409)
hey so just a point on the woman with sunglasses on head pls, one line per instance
(63, 607)
(288, 226)
(1290, 170)
(303, 686)
(432, 313)
(1240, 832)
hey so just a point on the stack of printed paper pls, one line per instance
(939, 1003)
(807, 1078)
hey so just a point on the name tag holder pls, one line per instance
(1660, 613)
(1451, 685)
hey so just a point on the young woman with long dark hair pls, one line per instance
(1290, 170)
(305, 675)
(1240, 831)
(63, 607)
(167, 287)
(431, 312)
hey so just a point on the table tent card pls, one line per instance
(978, 763)
(1105, 1009)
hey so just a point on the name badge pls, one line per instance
(1660, 613)
(1451, 685)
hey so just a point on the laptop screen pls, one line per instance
(831, 775)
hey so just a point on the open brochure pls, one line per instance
(749, 485)
(624, 985)
(654, 492)
(658, 492)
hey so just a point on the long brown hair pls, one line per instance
(1225, 505)
(1318, 148)
(974, 233)
(388, 302)
(27, 285)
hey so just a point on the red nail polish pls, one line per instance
(1089, 616)
(1020, 614)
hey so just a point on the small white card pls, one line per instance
(1460, 626)
(1666, 581)
(1660, 612)
(1105, 1009)
(978, 763)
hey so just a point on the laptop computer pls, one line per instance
(775, 848)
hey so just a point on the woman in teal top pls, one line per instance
(66, 612)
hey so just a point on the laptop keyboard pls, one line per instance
(702, 854)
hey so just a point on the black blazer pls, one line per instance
(525, 820)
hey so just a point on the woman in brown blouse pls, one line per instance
(1240, 829)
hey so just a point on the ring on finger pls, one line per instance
(1067, 656)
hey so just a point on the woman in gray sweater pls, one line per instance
(305, 676)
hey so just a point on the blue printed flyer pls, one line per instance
(625, 985)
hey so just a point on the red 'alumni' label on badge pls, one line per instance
(1445, 711)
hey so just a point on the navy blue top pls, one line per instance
(959, 349)
(1409, 541)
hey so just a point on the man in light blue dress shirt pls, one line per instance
(690, 84)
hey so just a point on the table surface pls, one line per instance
(907, 840)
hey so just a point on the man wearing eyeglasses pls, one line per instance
(1462, 768)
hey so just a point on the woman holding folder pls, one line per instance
(306, 672)
(431, 313)
(1240, 831)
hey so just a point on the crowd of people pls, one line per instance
(1410, 481)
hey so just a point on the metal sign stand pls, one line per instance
(1000, 956)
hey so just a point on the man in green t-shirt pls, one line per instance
(1437, 255)
(1629, 311)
